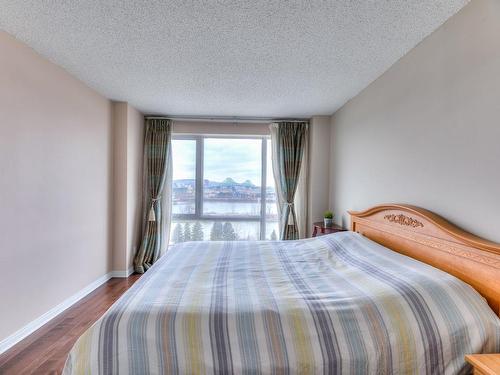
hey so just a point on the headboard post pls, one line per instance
(429, 238)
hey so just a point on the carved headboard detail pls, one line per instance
(427, 237)
(404, 220)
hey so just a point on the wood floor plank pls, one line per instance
(45, 350)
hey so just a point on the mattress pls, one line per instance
(335, 304)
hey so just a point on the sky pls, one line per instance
(239, 159)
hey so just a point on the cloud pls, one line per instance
(184, 159)
(239, 159)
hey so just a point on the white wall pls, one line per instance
(427, 132)
(55, 185)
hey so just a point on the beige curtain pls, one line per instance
(289, 155)
(301, 195)
(157, 181)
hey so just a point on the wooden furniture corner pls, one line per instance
(484, 364)
(319, 229)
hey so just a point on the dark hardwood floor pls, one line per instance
(45, 351)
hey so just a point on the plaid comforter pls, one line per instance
(337, 304)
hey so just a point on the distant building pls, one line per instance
(184, 190)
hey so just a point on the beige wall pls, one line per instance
(427, 132)
(120, 257)
(135, 142)
(319, 166)
(219, 128)
(55, 185)
(128, 134)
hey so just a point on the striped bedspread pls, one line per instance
(337, 304)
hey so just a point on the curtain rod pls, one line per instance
(226, 118)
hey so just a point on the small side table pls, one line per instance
(486, 364)
(319, 229)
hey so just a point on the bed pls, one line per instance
(375, 300)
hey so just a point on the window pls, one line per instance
(223, 189)
(184, 176)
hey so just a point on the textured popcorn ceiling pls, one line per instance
(226, 58)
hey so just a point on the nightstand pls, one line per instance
(484, 364)
(319, 229)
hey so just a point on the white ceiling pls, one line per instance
(272, 58)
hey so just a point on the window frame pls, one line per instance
(199, 178)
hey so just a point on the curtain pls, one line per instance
(157, 176)
(301, 195)
(289, 150)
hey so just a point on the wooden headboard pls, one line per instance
(429, 238)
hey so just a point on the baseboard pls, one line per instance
(31, 327)
(126, 273)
